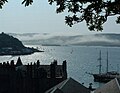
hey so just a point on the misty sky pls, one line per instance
(42, 18)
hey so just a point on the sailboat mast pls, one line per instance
(100, 66)
(107, 63)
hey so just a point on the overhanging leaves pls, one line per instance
(94, 12)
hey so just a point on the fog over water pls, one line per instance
(60, 39)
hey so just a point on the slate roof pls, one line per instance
(56, 90)
(112, 86)
(68, 86)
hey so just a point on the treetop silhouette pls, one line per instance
(94, 12)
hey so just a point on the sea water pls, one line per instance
(81, 60)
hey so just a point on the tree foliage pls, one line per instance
(94, 12)
(2, 2)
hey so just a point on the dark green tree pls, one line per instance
(94, 12)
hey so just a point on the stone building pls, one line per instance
(31, 78)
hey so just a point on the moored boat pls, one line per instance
(105, 77)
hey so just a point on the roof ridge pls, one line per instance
(64, 83)
(116, 79)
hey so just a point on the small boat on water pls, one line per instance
(105, 77)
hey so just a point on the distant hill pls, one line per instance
(10, 45)
(79, 40)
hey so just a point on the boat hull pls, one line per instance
(104, 77)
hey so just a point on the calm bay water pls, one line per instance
(80, 59)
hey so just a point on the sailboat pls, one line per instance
(105, 77)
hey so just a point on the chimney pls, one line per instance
(52, 70)
(12, 63)
(64, 68)
(38, 63)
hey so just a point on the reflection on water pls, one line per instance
(79, 60)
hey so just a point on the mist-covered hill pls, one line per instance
(85, 40)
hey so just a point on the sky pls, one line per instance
(42, 18)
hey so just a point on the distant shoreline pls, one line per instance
(10, 45)
(75, 45)
(16, 53)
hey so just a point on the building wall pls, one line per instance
(29, 78)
